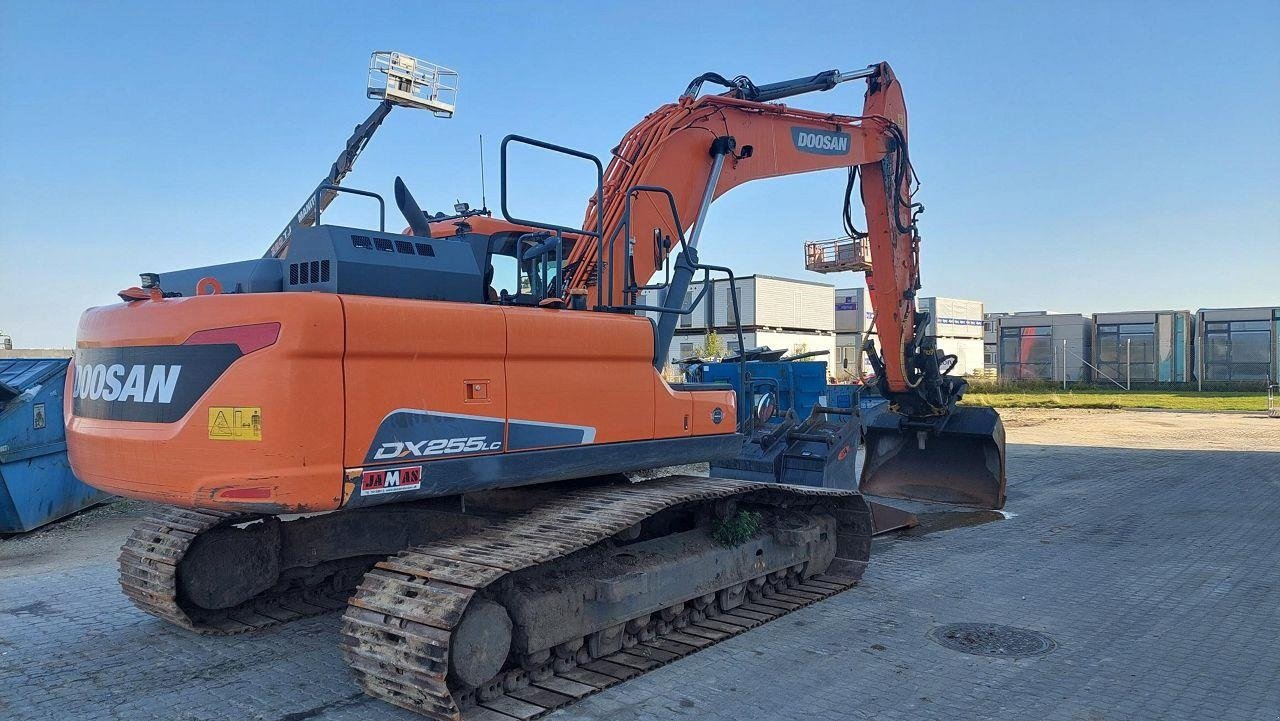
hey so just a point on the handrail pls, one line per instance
(598, 234)
(382, 204)
(632, 192)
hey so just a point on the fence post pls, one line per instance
(1128, 368)
(1064, 364)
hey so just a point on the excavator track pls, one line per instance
(400, 626)
(149, 563)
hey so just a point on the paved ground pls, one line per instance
(1144, 544)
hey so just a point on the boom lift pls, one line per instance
(395, 79)
(456, 452)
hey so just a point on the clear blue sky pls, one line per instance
(1081, 157)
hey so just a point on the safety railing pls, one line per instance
(606, 253)
(837, 255)
(404, 80)
(557, 230)
(317, 203)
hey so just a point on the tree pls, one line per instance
(712, 348)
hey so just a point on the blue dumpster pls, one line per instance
(843, 395)
(36, 482)
(846, 395)
(798, 385)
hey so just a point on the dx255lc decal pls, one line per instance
(156, 384)
(436, 447)
(408, 434)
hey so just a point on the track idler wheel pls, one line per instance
(226, 566)
(480, 643)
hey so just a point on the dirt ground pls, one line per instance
(1165, 430)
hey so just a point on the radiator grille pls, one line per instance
(316, 271)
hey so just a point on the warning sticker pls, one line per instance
(228, 423)
(391, 480)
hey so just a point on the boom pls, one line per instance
(700, 148)
(309, 214)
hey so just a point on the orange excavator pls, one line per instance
(375, 421)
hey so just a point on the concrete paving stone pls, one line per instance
(1152, 568)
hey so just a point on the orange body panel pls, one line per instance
(419, 354)
(297, 382)
(550, 381)
(343, 367)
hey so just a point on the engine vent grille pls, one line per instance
(306, 273)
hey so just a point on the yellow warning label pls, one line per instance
(227, 423)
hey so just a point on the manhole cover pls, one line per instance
(989, 639)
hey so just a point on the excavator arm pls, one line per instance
(701, 147)
(698, 148)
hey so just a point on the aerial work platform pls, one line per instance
(837, 255)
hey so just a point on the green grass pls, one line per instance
(1088, 398)
(737, 529)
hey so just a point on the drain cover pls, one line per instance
(989, 639)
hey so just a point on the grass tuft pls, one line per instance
(736, 529)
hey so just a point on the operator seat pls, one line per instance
(491, 295)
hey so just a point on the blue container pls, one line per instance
(843, 396)
(847, 396)
(798, 384)
(36, 482)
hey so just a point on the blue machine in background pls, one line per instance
(36, 482)
(799, 427)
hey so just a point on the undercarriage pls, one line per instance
(511, 602)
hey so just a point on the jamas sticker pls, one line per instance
(390, 480)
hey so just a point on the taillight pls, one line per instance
(248, 337)
(257, 493)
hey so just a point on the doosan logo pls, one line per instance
(820, 142)
(117, 382)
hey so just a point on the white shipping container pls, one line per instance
(850, 361)
(763, 301)
(789, 303)
(853, 310)
(968, 353)
(953, 317)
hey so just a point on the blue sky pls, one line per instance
(1075, 156)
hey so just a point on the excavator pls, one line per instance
(361, 420)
